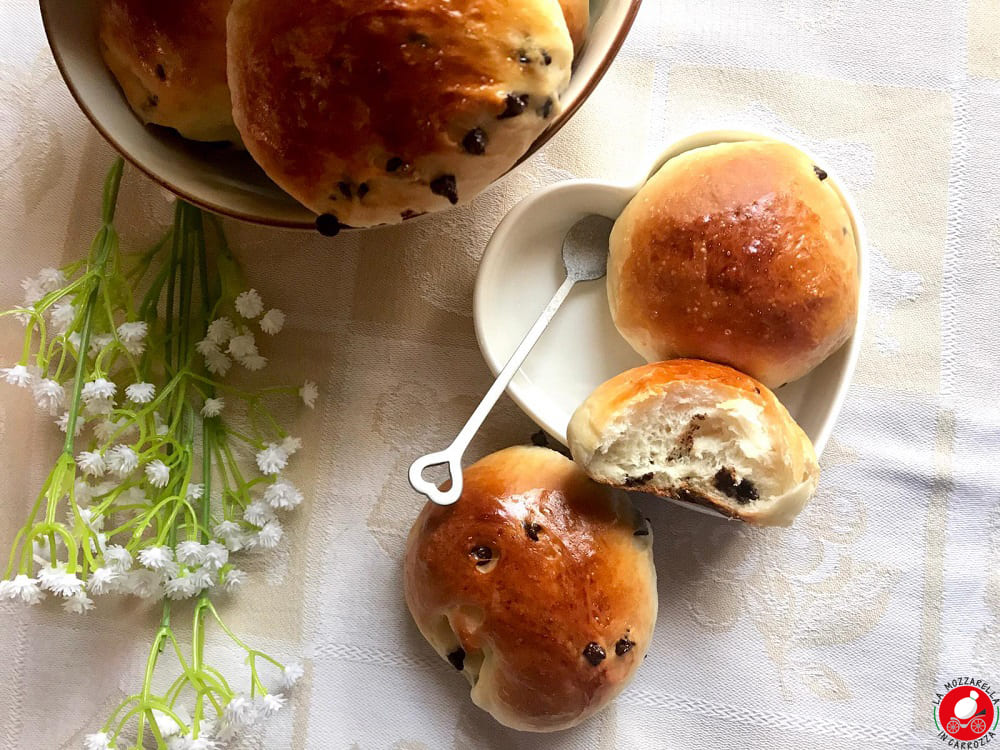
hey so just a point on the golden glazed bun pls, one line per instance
(740, 253)
(577, 15)
(538, 585)
(170, 60)
(700, 433)
(376, 110)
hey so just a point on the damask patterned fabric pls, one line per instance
(833, 634)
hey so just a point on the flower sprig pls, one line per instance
(154, 489)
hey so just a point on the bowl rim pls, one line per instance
(603, 65)
(676, 147)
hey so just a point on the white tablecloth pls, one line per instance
(836, 633)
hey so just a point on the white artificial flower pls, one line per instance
(133, 331)
(166, 724)
(21, 589)
(258, 513)
(194, 491)
(61, 315)
(216, 555)
(63, 424)
(179, 742)
(253, 362)
(233, 580)
(291, 674)
(207, 347)
(50, 279)
(271, 459)
(220, 331)
(212, 407)
(290, 445)
(272, 322)
(240, 711)
(145, 584)
(49, 395)
(99, 342)
(140, 393)
(204, 743)
(242, 346)
(269, 536)
(99, 389)
(121, 460)
(117, 558)
(105, 430)
(270, 704)
(91, 463)
(308, 393)
(98, 407)
(97, 741)
(218, 363)
(158, 473)
(33, 291)
(201, 579)
(78, 604)
(88, 518)
(160, 559)
(57, 580)
(103, 580)
(18, 375)
(230, 533)
(182, 587)
(282, 495)
(191, 552)
(249, 304)
(135, 348)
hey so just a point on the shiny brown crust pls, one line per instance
(170, 60)
(588, 578)
(577, 14)
(376, 110)
(617, 395)
(738, 253)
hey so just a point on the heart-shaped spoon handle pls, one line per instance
(452, 455)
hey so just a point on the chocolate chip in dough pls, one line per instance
(821, 173)
(522, 57)
(457, 658)
(446, 187)
(327, 225)
(746, 492)
(161, 72)
(475, 141)
(546, 109)
(594, 653)
(623, 646)
(152, 100)
(636, 481)
(531, 529)
(345, 189)
(482, 554)
(362, 190)
(725, 481)
(393, 164)
(515, 105)
(546, 57)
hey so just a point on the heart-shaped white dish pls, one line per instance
(522, 267)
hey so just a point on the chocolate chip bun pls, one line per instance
(538, 585)
(740, 253)
(577, 15)
(372, 111)
(169, 57)
(700, 433)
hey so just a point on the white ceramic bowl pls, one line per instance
(227, 181)
(522, 267)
